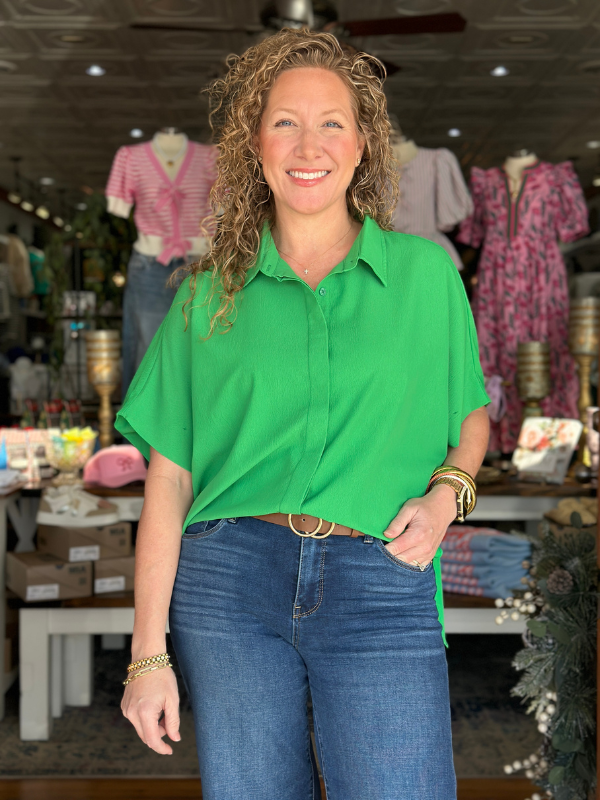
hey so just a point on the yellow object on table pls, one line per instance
(68, 451)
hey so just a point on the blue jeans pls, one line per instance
(146, 300)
(259, 616)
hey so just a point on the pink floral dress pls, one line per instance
(521, 293)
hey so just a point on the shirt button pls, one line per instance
(322, 291)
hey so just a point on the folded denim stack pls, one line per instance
(483, 561)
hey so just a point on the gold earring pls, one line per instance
(260, 159)
(358, 162)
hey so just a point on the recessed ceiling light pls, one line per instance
(27, 206)
(136, 133)
(593, 145)
(499, 72)
(42, 212)
(14, 198)
(72, 38)
(47, 181)
(96, 71)
(454, 132)
(596, 181)
(68, 228)
(58, 221)
(81, 206)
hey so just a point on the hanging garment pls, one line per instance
(146, 301)
(521, 293)
(433, 198)
(168, 212)
(14, 253)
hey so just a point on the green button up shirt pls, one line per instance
(337, 402)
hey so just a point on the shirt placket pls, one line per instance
(317, 415)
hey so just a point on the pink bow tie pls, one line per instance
(173, 247)
(169, 194)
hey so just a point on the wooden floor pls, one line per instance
(185, 789)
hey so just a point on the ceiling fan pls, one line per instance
(321, 15)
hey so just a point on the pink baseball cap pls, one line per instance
(115, 466)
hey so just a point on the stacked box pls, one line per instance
(86, 544)
(114, 574)
(53, 572)
(41, 576)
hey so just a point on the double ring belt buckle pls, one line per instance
(313, 535)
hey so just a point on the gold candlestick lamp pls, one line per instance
(104, 374)
(584, 324)
(533, 375)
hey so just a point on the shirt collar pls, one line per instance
(369, 247)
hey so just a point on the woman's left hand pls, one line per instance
(421, 524)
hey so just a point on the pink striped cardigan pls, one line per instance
(172, 209)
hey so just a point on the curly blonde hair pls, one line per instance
(240, 194)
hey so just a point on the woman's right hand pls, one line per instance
(144, 701)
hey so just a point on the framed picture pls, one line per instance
(545, 448)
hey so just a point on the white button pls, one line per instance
(322, 291)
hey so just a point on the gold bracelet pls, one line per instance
(144, 661)
(449, 470)
(146, 671)
(463, 493)
(462, 483)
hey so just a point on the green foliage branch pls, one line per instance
(559, 658)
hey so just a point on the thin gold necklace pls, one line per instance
(322, 254)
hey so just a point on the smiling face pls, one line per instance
(309, 141)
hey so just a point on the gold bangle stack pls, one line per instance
(145, 666)
(462, 483)
(143, 662)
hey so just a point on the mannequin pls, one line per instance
(521, 209)
(168, 180)
(170, 145)
(404, 150)
(433, 194)
(513, 167)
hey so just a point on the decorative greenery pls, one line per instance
(105, 243)
(559, 660)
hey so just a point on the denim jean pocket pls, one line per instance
(199, 530)
(402, 564)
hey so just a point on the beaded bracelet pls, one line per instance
(145, 661)
(146, 671)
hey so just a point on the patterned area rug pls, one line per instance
(489, 727)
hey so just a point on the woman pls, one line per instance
(311, 375)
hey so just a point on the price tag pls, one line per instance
(114, 584)
(43, 591)
(90, 552)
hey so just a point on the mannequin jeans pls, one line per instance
(260, 616)
(146, 301)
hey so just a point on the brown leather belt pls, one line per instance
(310, 527)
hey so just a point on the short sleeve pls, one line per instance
(452, 199)
(157, 411)
(466, 385)
(472, 229)
(572, 213)
(120, 187)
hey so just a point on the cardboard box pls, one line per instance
(114, 574)
(85, 544)
(42, 576)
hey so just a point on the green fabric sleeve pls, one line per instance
(157, 411)
(466, 385)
